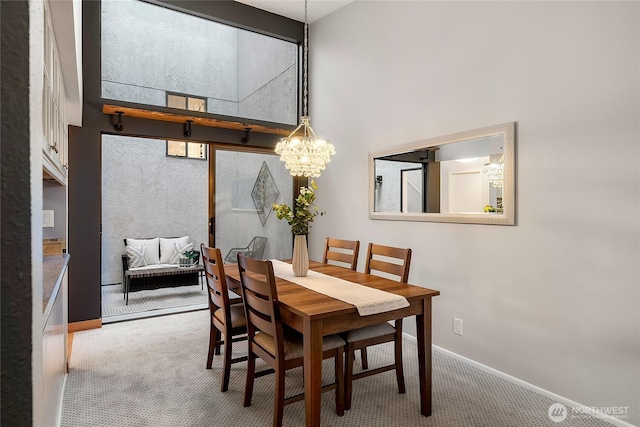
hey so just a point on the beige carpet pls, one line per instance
(151, 372)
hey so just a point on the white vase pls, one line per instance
(300, 261)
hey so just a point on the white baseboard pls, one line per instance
(579, 407)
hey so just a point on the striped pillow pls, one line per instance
(178, 250)
(137, 256)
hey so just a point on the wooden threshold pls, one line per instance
(84, 325)
(182, 118)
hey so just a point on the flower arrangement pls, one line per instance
(303, 212)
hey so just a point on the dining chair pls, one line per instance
(278, 345)
(226, 313)
(347, 251)
(378, 259)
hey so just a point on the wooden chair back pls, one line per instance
(216, 280)
(348, 255)
(262, 312)
(261, 304)
(377, 256)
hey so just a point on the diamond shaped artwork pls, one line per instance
(264, 193)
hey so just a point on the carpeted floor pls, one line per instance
(113, 303)
(151, 372)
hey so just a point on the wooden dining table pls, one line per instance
(316, 315)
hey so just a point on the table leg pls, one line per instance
(312, 371)
(423, 326)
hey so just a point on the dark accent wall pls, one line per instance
(15, 218)
(85, 143)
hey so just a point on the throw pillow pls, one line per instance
(153, 248)
(166, 248)
(178, 250)
(137, 256)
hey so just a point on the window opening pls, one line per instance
(190, 150)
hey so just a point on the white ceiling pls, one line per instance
(294, 9)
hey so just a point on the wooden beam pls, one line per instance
(196, 120)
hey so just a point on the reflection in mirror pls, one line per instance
(466, 177)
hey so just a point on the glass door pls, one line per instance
(244, 187)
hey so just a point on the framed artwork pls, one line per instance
(264, 193)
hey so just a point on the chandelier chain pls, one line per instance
(305, 154)
(305, 60)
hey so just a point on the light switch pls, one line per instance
(47, 218)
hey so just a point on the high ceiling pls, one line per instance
(294, 9)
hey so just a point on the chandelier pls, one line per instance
(306, 154)
(495, 172)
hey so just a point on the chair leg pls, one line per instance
(278, 410)
(212, 344)
(227, 362)
(363, 356)
(348, 376)
(339, 370)
(399, 365)
(251, 371)
(218, 341)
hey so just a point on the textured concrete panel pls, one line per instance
(274, 102)
(125, 92)
(219, 106)
(237, 222)
(387, 194)
(150, 46)
(149, 50)
(147, 194)
(261, 59)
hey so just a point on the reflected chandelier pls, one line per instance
(495, 172)
(305, 155)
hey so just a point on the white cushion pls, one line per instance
(293, 346)
(166, 248)
(154, 266)
(137, 256)
(369, 332)
(153, 248)
(178, 250)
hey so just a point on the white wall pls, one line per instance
(555, 299)
(36, 33)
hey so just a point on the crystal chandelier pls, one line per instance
(495, 172)
(306, 154)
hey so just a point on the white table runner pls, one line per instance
(367, 300)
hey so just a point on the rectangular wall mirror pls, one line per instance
(467, 177)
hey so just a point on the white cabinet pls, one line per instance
(54, 354)
(55, 124)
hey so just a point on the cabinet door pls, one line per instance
(54, 356)
(54, 105)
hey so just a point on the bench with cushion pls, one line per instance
(154, 263)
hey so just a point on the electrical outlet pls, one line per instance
(457, 326)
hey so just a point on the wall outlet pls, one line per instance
(457, 326)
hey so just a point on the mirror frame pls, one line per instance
(507, 217)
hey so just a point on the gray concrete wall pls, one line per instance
(267, 78)
(237, 222)
(388, 194)
(147, 194)
(148, 50)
